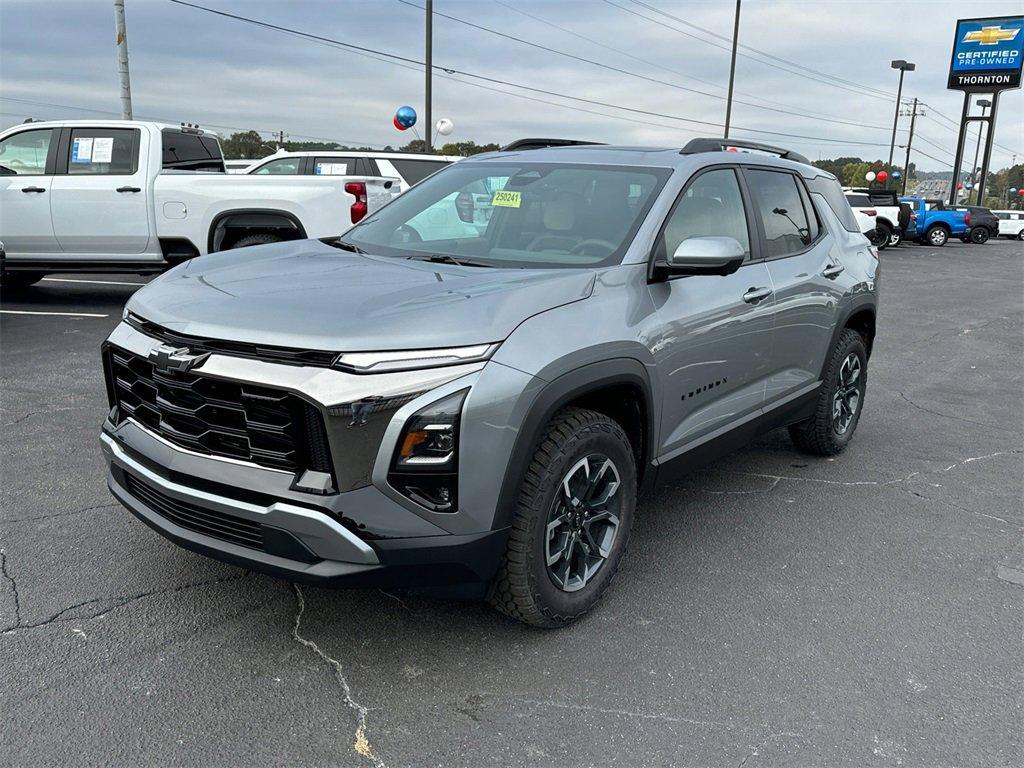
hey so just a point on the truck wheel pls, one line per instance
(979, 235)
(895, 238)
(572, 521)
(876, 238)
(259, 239)
(840, 400)
(884, 236)
(15, 281)
(936, 236)
(1020, 235)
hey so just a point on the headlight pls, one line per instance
(425, 466)
(413, 359)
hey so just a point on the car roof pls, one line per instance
(654, 157)
(109, 122)
(380, 153)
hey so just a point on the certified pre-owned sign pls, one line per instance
(987, 54)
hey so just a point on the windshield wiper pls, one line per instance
(346, 246)
(444, 258)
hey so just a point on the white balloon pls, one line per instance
(870, 175)
(445, 126)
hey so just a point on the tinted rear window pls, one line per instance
(414, 171)
(833, 194)
(190, 152)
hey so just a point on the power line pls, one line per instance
(499, 81)
(766, 63)
(630, 73)
(954, 126)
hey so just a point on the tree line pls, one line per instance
(250, 145)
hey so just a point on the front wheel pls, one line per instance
(936, 236)
(572, 521)
(840, 400)
(980, 235)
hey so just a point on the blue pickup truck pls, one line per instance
(931, 224)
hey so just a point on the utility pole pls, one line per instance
(903, 67)
(428, 74)
(732, 68)
(910, 140)
(280, 140)
(122, 60)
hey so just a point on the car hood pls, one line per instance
(306, 294)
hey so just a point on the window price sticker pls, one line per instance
(504, 198)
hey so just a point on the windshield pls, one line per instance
(516, 214)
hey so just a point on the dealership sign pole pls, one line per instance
(987, 57)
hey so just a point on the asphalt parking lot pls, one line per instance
(776, 610)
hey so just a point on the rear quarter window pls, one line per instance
(830, 190)
(190, 152)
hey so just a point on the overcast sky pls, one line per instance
(189, 65)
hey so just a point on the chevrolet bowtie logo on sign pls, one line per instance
(166, 358)
(990, 35)
(987, 54)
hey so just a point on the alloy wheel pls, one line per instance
(583, 522)
(847, 397)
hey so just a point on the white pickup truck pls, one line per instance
(131, 196)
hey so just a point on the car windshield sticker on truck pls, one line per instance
(81, 151)
(102, 149)
(504, 198)
(331, 169)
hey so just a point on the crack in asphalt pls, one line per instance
(61, 514)
(362, 740)
(951, 416)
(28, 415)
(14, 586)
(120, 601)
(623, 713)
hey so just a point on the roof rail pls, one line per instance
(521, 144)
(693, 146)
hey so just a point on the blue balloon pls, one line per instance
(406, 116)
(896, 174)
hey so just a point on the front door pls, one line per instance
(713, 337)
(101, 196)
(26, 180)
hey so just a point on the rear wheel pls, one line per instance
(1020, 235)
(884, 236)
(258, 239)
(895, 238)
(876, 238)
(572, 521)
(840, 400)
(937, 236)
(980, 235)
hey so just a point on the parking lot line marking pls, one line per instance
(89, 282)
(60, 314)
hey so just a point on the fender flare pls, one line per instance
(552, 398)
(251, 217)
(857, 305)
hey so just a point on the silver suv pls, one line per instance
(470, 389)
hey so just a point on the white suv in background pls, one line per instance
(409, 167)
(1011, 224)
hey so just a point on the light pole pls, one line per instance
(903, 67)
(984, 104)
(732, 68)
(121, 38)
(429, 76)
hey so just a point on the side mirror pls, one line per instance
(705, 256)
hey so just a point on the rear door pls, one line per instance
(101, 196)
(805, 267)
(714, 333)
(27, 160)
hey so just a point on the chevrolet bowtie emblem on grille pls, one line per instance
(990, 35)
(168, 358)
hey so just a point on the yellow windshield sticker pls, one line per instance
(504, 198)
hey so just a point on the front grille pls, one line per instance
(217, 417)
(236, 530)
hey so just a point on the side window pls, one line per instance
(190, 151)
(335, 166)
(829, 189)
(286, 166)
(415, 171)
(813, 225)
(712, 206)
(777, 203)
(25, 153)
(103, 152)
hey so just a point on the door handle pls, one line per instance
(32, 189)
(832, 271)
(128, 189)
(754, 295)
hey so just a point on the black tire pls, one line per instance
(16, 281)
(525, 587)
(936, 236)
(895, 239)
(258, 239)
(875, 238)
(1020, 235)
(979, 235)
(820, 435)
(884, 236)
